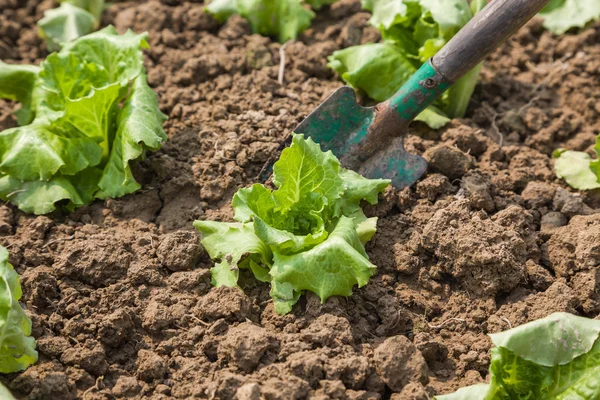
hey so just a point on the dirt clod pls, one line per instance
(398, 362)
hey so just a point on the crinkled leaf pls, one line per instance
(139, 128)
(449, 15)
(256, 200)
(560, 338)
(553, 358)
(304, 169)
(306, 235)
(328, 269)
(94, 114)
(39, 150)
(64, 24)
(17, 348)
(575, 168)
(474, 392)
(17, 83)
(115, 58)
(562, 15)
(228, 243)
(40, 197)
(357, 187)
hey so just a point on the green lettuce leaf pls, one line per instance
(578, 168)
(557, 357)
(139, 128)
(5, 393)
(64, 24)
(228, 243)
(93, 114)
(71, 20)
(17, 83)
(17, 348)
(413, 32)
(331, 268)
(562, 15)
(283, 19)
(308, 234)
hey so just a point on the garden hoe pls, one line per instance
(370, 140)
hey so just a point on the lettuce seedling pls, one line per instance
(71, 20)
(17, 348)
(86, 113)
(413, 31)
(283, 19)
(308, 234)
(554, 358)
(561, 15)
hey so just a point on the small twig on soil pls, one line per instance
(282, 62)
(199, 320)
(526, 106)
(445, 322)
(97, 387)
(58, 240)
(507, 321)
(494, 115)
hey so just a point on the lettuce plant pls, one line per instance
(17, 348)
(308, 234)
(86, 113)
(562, 15)
(71, 20)
(554, 358)
(283, 19)
(577, 168)
(413, 31)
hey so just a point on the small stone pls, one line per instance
(398, 362)
(551, 222)
(151, 366)
(478, 189)
(538, 276)
(249, 391)
(570, 204)
(447, 160)
(126, 386)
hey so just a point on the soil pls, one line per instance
(119, 292)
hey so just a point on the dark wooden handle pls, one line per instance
(483, 34)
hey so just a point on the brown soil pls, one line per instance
(120, 294)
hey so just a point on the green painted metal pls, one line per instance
(341, 125)
(419, 92)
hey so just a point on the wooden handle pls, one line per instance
(483, 34)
